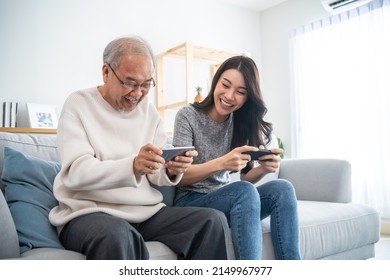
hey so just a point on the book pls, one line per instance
(13, 114)
(6, 114)
(1, 117)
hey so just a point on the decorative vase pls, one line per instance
(199, 97)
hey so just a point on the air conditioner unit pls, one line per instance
(338, 6)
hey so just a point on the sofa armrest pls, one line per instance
(319, 179)
(9, 242)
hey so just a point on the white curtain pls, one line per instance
(341, 93)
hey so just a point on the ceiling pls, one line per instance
(257, 5)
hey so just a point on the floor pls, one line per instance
(382, 248)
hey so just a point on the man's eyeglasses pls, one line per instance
(134, 85)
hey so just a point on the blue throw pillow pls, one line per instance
(29, 193)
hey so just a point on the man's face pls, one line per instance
(129, 82)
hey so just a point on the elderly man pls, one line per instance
(109, 140)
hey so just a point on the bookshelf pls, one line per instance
(189, 53)
(28, 130)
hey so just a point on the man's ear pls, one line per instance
(105, 71)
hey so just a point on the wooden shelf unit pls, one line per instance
(189, 53)
(28, 130)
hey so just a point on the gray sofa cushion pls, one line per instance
(326, 229)
(29, 194)
(168, 193)
(334, 228)
(51, 254)
(319, 179)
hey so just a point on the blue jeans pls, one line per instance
(245, 206)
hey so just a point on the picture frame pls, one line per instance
(42, 116)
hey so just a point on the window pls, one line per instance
(341, 87)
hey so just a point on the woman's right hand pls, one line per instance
(235, 160)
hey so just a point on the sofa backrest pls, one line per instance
(43, 146)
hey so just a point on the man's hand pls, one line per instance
(180, 164)
(148, 160)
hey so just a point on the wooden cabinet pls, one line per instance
(190, 53)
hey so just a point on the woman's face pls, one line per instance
(230, 94)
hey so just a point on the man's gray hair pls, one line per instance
(126, 45)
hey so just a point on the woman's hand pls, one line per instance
(267, 164)
(235, 160)
(270, 163)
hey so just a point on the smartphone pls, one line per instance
(170, 153)
(256, 154)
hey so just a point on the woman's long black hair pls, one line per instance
(249, 128)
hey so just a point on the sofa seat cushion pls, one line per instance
(326, 229)
(29, 194)
(160, 251)
(157, 250)
(51, 254)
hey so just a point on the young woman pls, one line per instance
(229, 122)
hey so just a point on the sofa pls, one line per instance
(331, 226)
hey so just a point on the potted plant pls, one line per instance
(198, 97)
(281, 146)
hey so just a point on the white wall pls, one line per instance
(49, 48)
(276, 24)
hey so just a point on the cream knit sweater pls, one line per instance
(97, 146)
